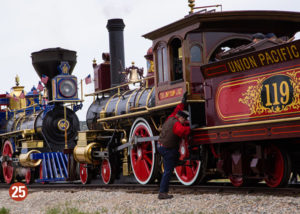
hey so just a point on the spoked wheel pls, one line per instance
(236, 180)
(7, 165)
(188, 173)
(28, 176)
(143, 158)
(277, 167)
(85, 174)
(41, 173)
(107, 173)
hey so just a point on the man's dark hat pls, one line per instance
(184, 114)
(270, 35)
(258, 36)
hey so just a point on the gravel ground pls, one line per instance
(122, 202)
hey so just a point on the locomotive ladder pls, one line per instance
(54, 166)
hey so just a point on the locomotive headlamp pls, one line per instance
(64, 88)
(67, 88)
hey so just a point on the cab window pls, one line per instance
(176, 59)
(196, 55)
(162, 63)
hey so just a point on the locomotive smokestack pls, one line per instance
(47, 61)
(116, 47)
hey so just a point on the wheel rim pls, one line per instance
(41, 172)
(7, 167)
(83, 173)
(106, 171)
(188, 173)
(143, 156)
(236, 181)
(275, 166)
(28, 176)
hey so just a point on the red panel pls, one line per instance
(176, 92)
(102, 76)
(286, 129)
(269, 95)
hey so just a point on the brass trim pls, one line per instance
(83, 154)
(139, 97)
(65, 101)
(249, 124)
(26, 161)
(187, 85)
(109, 100)
(148, 110)
(128, 101)
(117, 105)
(154, 124)
(195, 101)
(33, 144)
(118, 87)
(18, 120)
(149, 95)
(13, 133)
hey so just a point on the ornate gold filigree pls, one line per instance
(252, 97)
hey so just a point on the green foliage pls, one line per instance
(53, 211)
(70, 210)
(3, 210)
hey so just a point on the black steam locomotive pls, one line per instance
(36, 127)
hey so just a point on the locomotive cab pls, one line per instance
(181, 48)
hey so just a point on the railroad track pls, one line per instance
(291, 190)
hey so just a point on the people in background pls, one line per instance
(258, 37)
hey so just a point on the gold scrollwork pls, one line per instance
(253, 99)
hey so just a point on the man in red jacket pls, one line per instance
(173, 130)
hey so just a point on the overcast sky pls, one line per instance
(80, 25)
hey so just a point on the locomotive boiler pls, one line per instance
(38, 122)
(242, 99)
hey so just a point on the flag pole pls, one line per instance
(81, 89)
(65, 118)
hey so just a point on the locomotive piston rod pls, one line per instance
(135, 141)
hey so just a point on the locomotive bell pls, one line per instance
(133, 75)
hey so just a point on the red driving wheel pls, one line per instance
(142, 156)
(278, 166)
(236, 181)
(7, 165)
(188, 173)
(106, 172)
(41, 172)
(28, 179)
(84, 173)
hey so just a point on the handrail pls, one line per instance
(118, 87)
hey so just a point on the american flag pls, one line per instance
(34, 91)
(88, 79)
(44, 79)
(16, 98)
(8, 95)
(40, 87)
(22, 95)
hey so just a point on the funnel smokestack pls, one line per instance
(116, 47)
(47, 61)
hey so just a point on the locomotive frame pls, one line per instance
(187, 57)
(243, 98)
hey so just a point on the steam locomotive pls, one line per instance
(34, 125)
(243, 98)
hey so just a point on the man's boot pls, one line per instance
(164, 195)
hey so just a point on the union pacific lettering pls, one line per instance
(264, 58)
